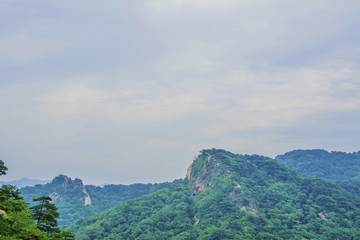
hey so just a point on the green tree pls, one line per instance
(45, 214)
(3, 169)
(64, 236)
(15, 218)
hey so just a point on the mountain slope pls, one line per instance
(340, 167)
(232, 196)
(75, 200)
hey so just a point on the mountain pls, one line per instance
(232, 196)
(332, 166)
(75, 200)
(23, 182)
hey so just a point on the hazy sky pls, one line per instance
(130, 91)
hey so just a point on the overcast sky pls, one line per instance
(130, 91)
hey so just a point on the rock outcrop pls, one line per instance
(208, 172)
(80, 186)
(66, 187)
(56, 198)
(3, 213)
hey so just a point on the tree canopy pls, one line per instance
(45, 214)
(3, 169)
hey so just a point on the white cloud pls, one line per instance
(239, 100)
(119, 106)
(284, 97)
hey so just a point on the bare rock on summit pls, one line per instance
(66, 188)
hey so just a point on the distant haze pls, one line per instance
(24, 182)
(130, 91)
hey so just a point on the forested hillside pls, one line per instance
(75, 200)
(332, 166)
(232, 196)
(340, 167)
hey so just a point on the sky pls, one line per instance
(131, 91)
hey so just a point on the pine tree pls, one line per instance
(2, 168)
(45, 214)
(15, 218)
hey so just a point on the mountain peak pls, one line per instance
(64, 186)
(201, 171)
(61, 179)
(212, 173)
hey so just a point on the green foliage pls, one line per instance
(63, 235)
(45, 214)
(3, 169)
(352, 186)
(104, 198)
(161, 215)
(15, 218)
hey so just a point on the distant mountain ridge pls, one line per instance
(332, 166)
(340, 167)
(24, 182)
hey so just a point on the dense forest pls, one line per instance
(75, 200)
(339, 167)
(332, 166)
(232, 196)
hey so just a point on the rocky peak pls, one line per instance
(56, 198)
(61, 180)
(201, 172)
(65, 187)
(78, 184)
(211, 172)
